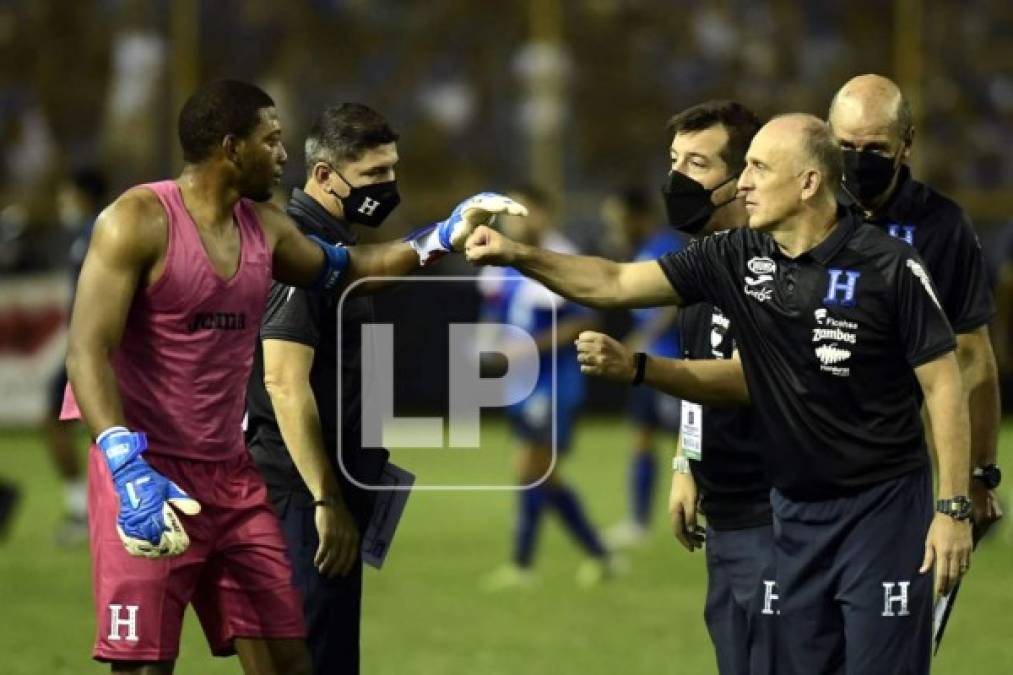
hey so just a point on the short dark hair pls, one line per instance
(343, 133)
(216, 110)
(740, 122)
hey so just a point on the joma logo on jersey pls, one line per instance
(841, 289)
(905, 232)
(216, 321)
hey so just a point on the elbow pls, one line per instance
(75, 359)
(282, 390)
(277, 388)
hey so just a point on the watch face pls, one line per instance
(990, 475)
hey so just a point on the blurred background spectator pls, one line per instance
(569, 94)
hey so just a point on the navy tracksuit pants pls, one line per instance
(851, 598)
(742, 600)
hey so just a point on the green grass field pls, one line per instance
(423, 613)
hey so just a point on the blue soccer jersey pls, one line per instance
(511, 298)
(667, 344)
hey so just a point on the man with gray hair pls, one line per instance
(837, 325)
(872, 122)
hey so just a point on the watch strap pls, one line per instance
(640, 359)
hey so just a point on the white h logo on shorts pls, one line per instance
(889, 598)
(769, 597)
(115, 621)
(368, 206)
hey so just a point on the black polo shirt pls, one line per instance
(945, 239)
(730, 476)
(310, 318)
(828, 342)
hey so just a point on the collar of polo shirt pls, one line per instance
(823, 253)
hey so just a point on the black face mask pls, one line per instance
(868, 175)
(688, 204)
(369, 204)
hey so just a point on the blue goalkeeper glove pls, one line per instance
(147, 524)
(435, 241)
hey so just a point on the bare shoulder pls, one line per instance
(135, 225)
(273, 220)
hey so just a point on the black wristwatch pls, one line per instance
(990, 475)
(641, 362)
(958, 508)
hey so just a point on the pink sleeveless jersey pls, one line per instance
(185, 357)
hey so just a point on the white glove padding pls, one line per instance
(449, 235)
(481, 210)
(174, 539)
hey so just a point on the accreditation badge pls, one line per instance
(691, 427)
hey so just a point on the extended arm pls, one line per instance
(948, 544)
(587, 280)
(304, 262)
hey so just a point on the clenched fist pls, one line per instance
(602, 356)
(486, 246)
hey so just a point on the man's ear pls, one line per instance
(321, 172)
(230, 146)
(909, 138)
(811, 182)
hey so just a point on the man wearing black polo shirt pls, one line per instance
(837, 325)
(719, 457)
(293, 396)
(872, 122)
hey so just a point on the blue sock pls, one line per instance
(643, 469)
(567, 503)
(529, 515)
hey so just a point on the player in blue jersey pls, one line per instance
(637, 234)
(511, 298)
